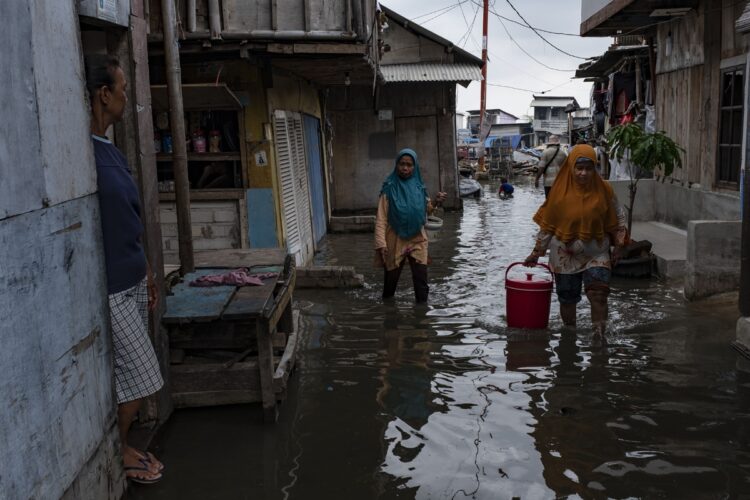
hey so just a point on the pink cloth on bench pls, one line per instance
(236, 277)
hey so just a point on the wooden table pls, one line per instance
(222, 338)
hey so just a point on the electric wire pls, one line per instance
(444, 12)
(529, 55)
(469, 27)
(541, 92)
(447, 7)
(493, 11)
(540, 35)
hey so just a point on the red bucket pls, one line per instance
(527, 301)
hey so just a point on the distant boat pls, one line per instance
(469, 187)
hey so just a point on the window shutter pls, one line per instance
(286, 173)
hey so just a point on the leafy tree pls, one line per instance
(649, 151)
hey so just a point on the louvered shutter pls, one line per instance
(284, 161)
(304, 213)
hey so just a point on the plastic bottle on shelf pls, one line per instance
(166, 143)
(214, 141)
(199, 141)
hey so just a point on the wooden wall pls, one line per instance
(59, 428)
(406, 47)
(293, 15)
(364, 146)
(688, 83)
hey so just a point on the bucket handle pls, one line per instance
(537, 264)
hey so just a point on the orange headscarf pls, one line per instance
(575, 212)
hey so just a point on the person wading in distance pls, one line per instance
(399, 226)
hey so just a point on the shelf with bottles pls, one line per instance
(214, 153)
(205, 157)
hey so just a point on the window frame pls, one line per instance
(730, 108)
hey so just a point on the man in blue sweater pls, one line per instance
(130, 287)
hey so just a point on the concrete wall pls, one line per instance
(364, 146)
(57, 426)
(677, 205)
(713, 254)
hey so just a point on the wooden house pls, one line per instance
(409, 102)
(255, 78)
(699, 60)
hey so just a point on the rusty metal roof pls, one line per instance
(431, 72)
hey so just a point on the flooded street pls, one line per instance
(444, 401)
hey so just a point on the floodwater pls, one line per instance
(445, 402)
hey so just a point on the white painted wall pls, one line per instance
(57, 426)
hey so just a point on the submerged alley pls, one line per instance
(444, 401)
(353, 249)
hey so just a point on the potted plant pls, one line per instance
(645, 150)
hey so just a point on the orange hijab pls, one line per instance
(575, 212)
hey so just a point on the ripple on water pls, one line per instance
(471, 408)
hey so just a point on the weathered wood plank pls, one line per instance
(241, 257)
(286, 364)
(214, 398)
(188, 303)
(227, 335)
(266, 369)
(248, 302)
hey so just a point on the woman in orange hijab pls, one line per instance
(579, 223)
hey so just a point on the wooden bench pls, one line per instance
(232, 344)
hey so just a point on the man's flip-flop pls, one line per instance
(148, 458)
(142, 480)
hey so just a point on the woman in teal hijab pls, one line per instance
(399, 226)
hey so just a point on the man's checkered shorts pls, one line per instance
(137, 372)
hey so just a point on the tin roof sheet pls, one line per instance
(559, 102)
(431, 72)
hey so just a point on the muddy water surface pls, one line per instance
(444, 401)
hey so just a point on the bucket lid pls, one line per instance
(529, 280)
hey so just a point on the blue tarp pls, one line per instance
(511, 141)
(488, 141)
(533, 152)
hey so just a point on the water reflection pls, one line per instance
(396, 401)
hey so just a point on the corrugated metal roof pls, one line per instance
(552, 102)
(431, 72)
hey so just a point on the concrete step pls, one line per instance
(669, 246)
(328, 277)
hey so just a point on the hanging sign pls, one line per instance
(107, 10)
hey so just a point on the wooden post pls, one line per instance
(177, 125)
(214, 19)
(349, 17)
(652, 70)
(307, 14)
(638, 82)
(264, 333)
(190, 11)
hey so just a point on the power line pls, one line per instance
(526, 52)
(447, 7)
(526, 26)
(528, 90)
(540, 35)
(469, 27)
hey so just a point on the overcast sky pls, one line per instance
(508, 64)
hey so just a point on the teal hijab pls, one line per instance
(407, 199)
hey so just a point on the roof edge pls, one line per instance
(421, 30)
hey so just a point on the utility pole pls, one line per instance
(483, 98)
